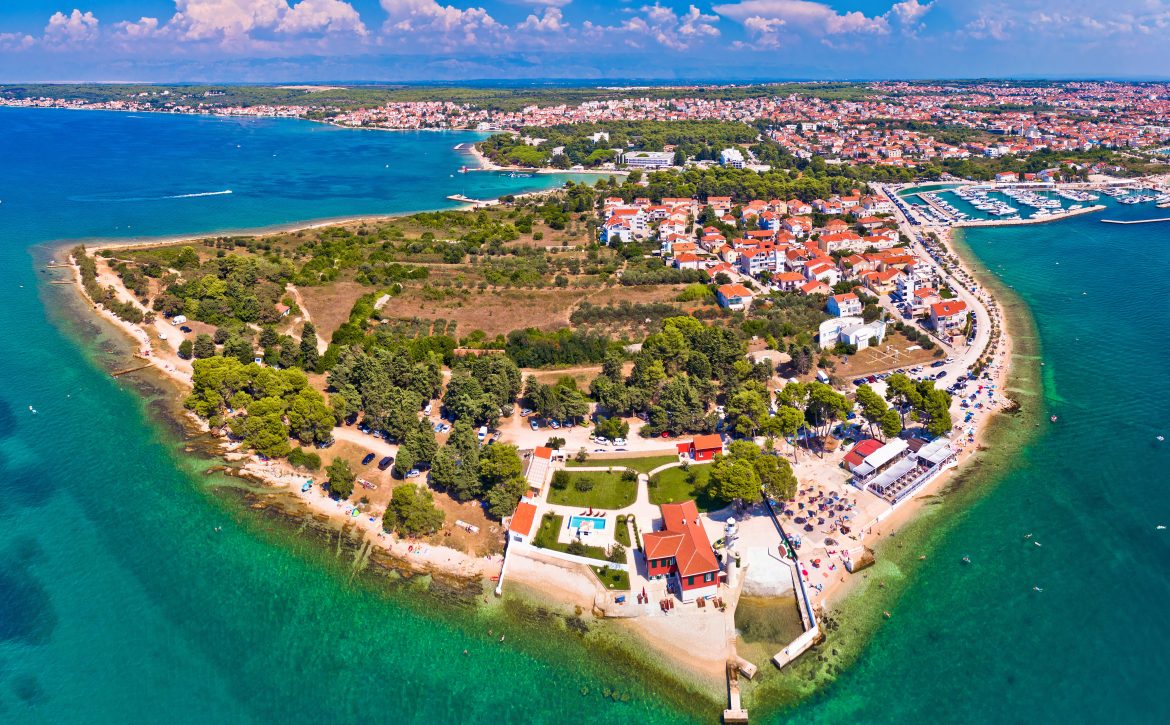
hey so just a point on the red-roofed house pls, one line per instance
(735, 296)
(948, 316)
(702, 448)
(683, 551)
(520, 528)
(788, 281)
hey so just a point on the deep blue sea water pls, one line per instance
(119, 603)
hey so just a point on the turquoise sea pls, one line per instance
(119, 602)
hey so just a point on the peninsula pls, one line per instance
(684, 398)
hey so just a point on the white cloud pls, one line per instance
(910, 11)
(322, 16)
(762, 19)
(228, 19)
(144, 28)
(553, 21)
(428, 15)
(76, 27)
(16, 41)
(661, 24)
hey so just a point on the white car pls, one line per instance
(619, 441)
(601, 441)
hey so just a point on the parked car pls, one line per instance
(619, 441)
(368, 457)
(525, 412)
(534, 424)
(385, 463)
(938, 363)
(482, 433)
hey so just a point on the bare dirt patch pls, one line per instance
(329, 305)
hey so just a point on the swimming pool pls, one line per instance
(589, 523)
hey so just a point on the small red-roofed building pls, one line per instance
(734, 296)
(863, 448)
(520, 528)
(702, 448)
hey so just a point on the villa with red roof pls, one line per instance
(683, 552)
(948, 316)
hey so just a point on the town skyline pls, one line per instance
(262, 41)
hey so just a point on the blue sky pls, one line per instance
(412, 40)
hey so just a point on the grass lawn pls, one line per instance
(609, 491)
(546, 538)
(613, 578)
(642, 465)
(621, 533)
(672, 486)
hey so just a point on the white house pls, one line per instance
(850, 330)
(732, 158)
(844, 305)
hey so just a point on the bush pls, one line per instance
(560, 480)
(617, 553)
(629, 475)
(304, 459)
(583, 484)
(576, 548)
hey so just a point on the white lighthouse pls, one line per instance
(730, 533)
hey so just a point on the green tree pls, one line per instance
(444, 470)
(499, 463)
(310, 419)
(776, 477)
(310, 358)
(341, 477)
(204, 346)
(403, 462)
(186, 349)
(412, 511)
(421, 441)
(503, 498)
(891, 423)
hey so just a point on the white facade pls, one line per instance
(732, 158)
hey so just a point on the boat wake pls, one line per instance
(131, 199)
(202, 193)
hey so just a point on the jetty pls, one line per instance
(1135, 221)
(1039, 220)
(127, 371)
(734, 712)
(468, 200)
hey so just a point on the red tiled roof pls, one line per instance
(948, 308)
(861, 450)
(522, 520)
(684, 539)
(708, 442)
(543, 452)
